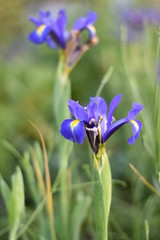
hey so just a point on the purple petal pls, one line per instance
(66, 130)
(59, 28)
(83, 22)
(115, 101)
(39, 35)
(79, 132)
(62, 20)
(136, 128)
(77, 111)
(35, 21)
(51, 43)
(136, 108)
(97, 107)
(91, 109)
(113, 128)
(73, 130)
(134, 17)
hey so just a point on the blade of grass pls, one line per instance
(41, 204)
(3, 231)
(157, 112)
(104, 81)
(48, 182)
(145, 182)
(38, 174)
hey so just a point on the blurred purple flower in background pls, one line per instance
(135, 21)
(53, 32)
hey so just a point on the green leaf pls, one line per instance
(30, 177)
(79, 214)
(102, 193)
(16, 203)
(5, 191)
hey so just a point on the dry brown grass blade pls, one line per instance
(48, 182)
(38, 174)
(145, 182)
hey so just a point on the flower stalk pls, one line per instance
(62, 92)
(102, 192)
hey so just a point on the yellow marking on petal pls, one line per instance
(40, 29)
(135, 124)
(92, 28)
(74, 123)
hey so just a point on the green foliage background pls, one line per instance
(27, 80)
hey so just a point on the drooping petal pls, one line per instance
(87, 23)
(78, 131)
(39, 35)
(73, 130)
(66, 130)
(136, 128)
(115, 101)
(92, 33)
(136, 108)
(113, 128)
(77, 111)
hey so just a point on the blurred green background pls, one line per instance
(27, 80)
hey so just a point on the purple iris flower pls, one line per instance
(98, 123)
(54, 32)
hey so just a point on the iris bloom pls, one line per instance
(53, 32)
(98, 124)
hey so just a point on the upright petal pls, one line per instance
(115, 101)
(73, 130)
(35, 21)
(77, 111)
(136, 108)
(91, 109)
(100, 109)
(62, 20)
(59, 28)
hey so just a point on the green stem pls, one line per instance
(62, 92)
(102, 192)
